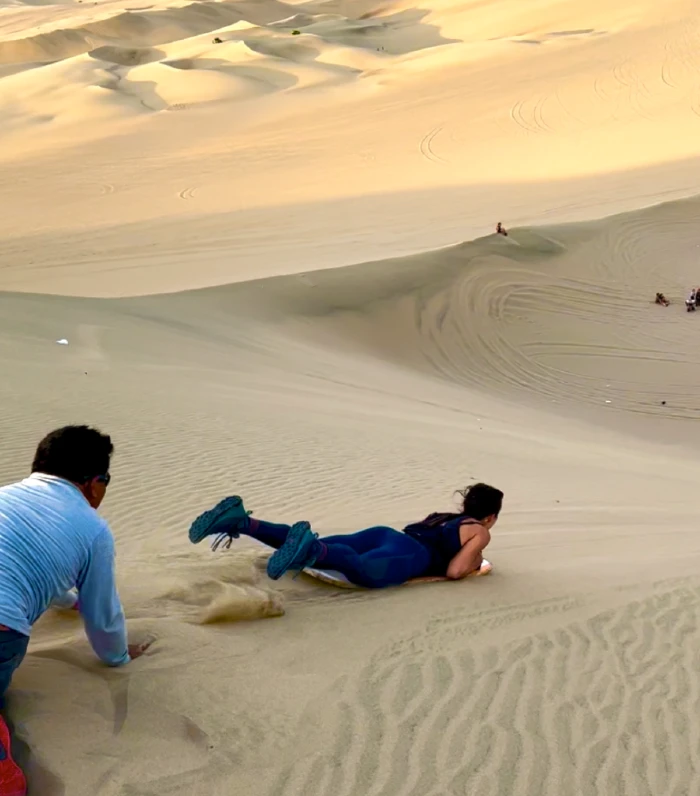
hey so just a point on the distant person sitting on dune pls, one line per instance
(661, 299)
(442, 546)
(501, 230)
(690, 302)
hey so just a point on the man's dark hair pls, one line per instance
(481, 501)
(76, 453)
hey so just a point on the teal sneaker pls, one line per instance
(225, 521)
(299, 550)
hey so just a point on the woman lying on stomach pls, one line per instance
(445, 546)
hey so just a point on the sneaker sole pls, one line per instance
(281, 560)
(202, 526)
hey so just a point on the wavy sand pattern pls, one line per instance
(534, 715)
(266, 231)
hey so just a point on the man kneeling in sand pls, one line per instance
(53, 540)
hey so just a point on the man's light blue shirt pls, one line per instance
(52, 540)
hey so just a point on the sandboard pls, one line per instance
(339, 580)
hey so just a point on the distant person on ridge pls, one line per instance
(51, 541)
(442, 546)
(661, 299)
(501, 230)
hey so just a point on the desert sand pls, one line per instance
(272, 256)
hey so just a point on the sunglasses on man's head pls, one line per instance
(104, 479)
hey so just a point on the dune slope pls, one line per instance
(362, 395)
(266, 231)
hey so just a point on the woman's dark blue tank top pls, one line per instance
(439, 533)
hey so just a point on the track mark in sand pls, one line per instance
(194, 733)
(188, 193)
(565, 110)
(695, 105)
(588, 707)
(680, 59)
(426, 146)
(636, 89)
(667, 65)
(106, 188)
(528, 114)
(178, 106)
(119, 691)
(600, 89)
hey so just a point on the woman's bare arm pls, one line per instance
(469, 557)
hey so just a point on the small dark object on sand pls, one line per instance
(217, 40)
(663, 403)
(501, 230)
(296, 33)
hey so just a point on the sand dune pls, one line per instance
(366, 394)
(52, 73)
(266, 231)
(437, 122)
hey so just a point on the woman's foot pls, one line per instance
(299, 550)
(225, 521)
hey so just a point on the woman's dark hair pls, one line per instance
(481, 501)
(478, 502)
(76, 453)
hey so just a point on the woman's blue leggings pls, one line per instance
(374, 558)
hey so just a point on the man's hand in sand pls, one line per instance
(137, 650)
